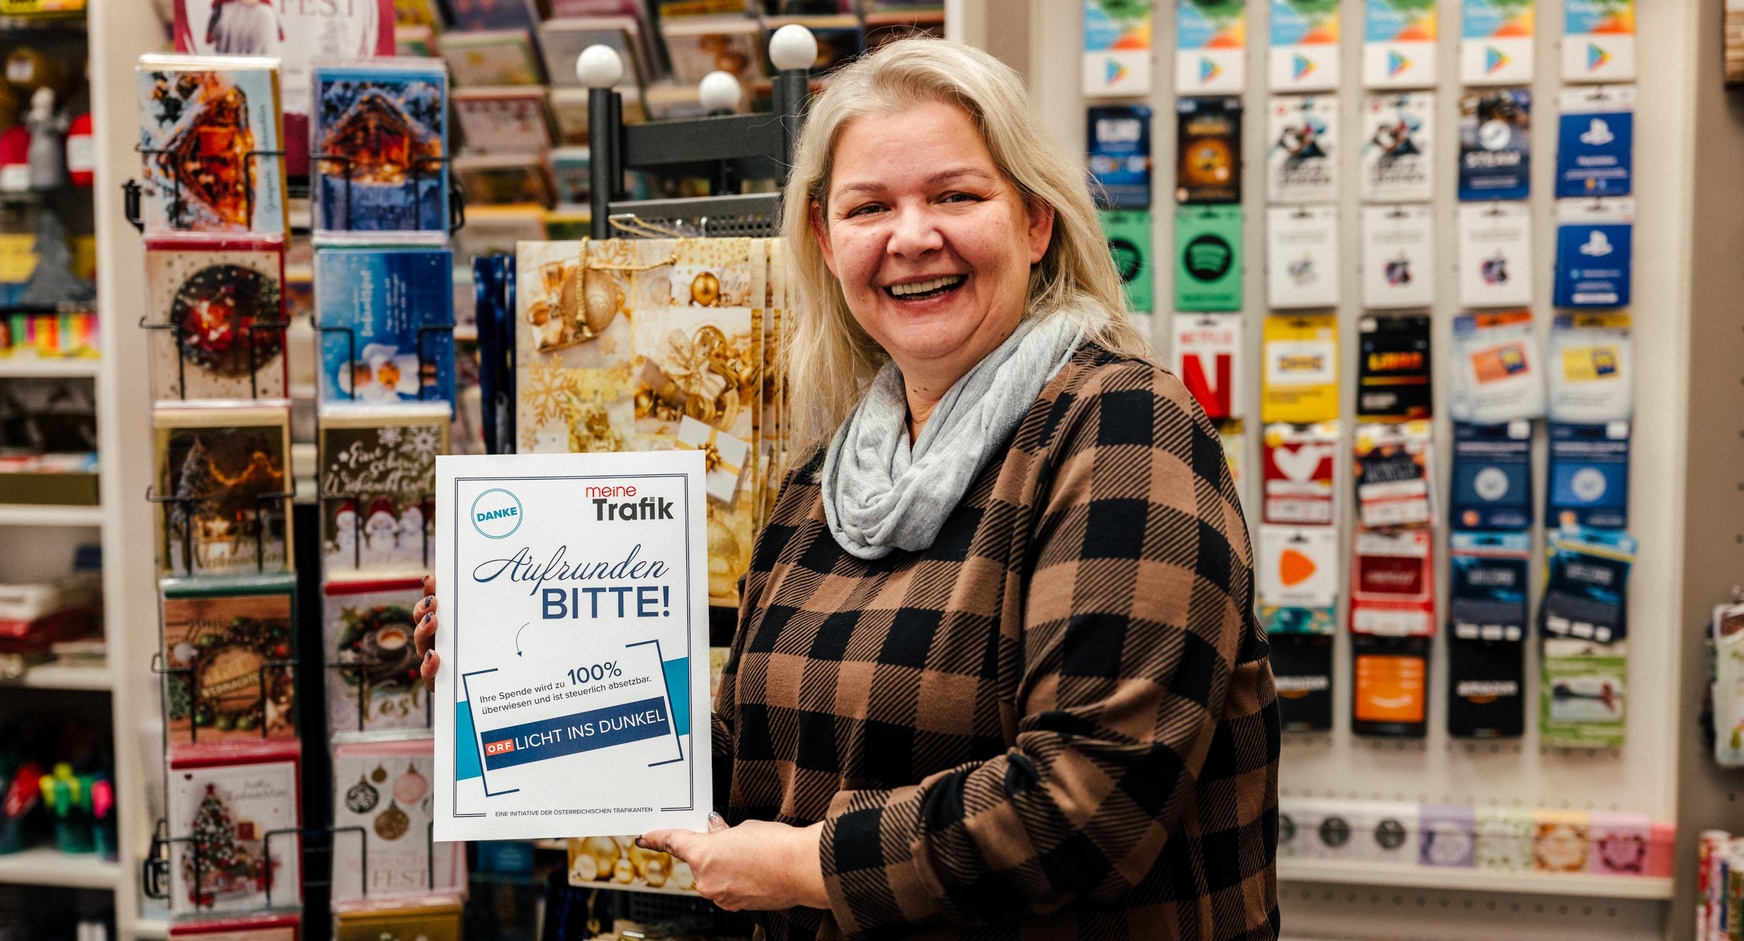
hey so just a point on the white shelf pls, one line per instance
(25, 514)
(45, 865)
(151, 929)
(58, 676)
(1349, 872)
(15, 367)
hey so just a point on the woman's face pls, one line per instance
(931, 243)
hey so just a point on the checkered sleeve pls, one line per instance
(1138, 594)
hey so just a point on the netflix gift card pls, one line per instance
(1207, 349)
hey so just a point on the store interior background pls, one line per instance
(1687, 487)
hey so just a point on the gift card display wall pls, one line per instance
(1416, 341)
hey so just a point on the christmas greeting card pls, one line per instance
(228, 646)
(373, 683)
(381, 146)
(211, 144)
(223, 490)
(381, 811)
(220, 305)
(377, 477)
(228, 853)
(386, 316)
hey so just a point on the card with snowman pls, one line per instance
(377, 478)
(385, 315)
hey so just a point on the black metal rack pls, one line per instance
(723, 148)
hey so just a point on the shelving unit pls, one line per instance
(44, 865)
(22, 514)
(20, 367)
(56, 676)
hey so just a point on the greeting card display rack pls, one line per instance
(419, 170)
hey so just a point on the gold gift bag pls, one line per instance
(650, 345)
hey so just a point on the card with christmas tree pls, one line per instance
(212, 144)
(380, 154)
(228, 646)
(274, 927)
(377, 477)
(217, 304)
(372, 677)
(382, 814)
(232, 821)
(428, 918)
(386, 317)
(224, 490)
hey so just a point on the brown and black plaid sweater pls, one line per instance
(1057, 722)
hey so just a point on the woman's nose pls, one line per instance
(915, 231)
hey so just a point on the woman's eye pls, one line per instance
(959, 198)
(865, 210)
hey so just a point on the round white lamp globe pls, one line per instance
(719, 91)
(793, 47)
(599, 66)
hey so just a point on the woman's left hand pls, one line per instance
(755, 866)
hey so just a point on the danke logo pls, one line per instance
(496, 513)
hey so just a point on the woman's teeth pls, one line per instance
(934, 286)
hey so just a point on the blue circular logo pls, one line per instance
(496, 513)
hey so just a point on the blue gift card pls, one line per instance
(1495, 145)
(1593, 261)
(1487, 592)
(1586, 585)
(1492, 476)
(1589, 476)
(1120, 154)
(386, 318)
(1595, 153)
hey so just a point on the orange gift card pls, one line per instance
(1389, 688)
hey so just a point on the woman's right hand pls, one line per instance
(424, 635)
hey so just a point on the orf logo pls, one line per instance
(496, 513)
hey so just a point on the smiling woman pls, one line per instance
(997, 671)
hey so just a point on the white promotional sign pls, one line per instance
(573, 694)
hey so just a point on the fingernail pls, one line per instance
(715, 817)
(428, 654)
(425, 620)
(641, 843)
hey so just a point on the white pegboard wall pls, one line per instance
(1312, 912)
(1514, 772)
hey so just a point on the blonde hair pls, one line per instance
(830, 359)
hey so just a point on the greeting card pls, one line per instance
(220, 306)
(382, 813)
(228, 651)
(211, 144)
(493, 57)
(436, 918)
(373, 684)
(377, 478)
(386, 316)
(381, 143)
(224, 490)
(234, 820)
(507, 120)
